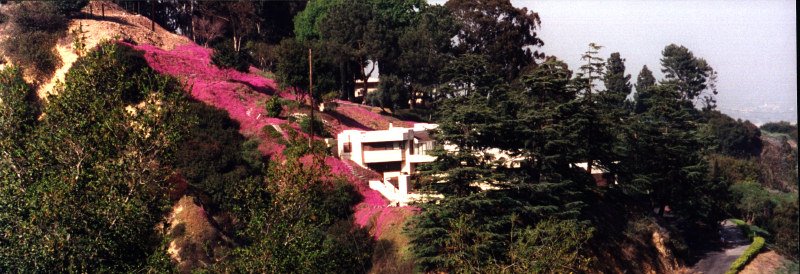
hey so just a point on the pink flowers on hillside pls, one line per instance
(242, 95)
(362, 117)
(236, 92)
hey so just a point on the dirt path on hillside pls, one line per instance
(717, 262)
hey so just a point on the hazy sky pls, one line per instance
(751, 44)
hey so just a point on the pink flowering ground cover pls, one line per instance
(238, 93)
(363, 117)
(241, 95)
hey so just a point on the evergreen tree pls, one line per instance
(665, 163)
(617, 83)
(471, 230)
(614, 110)
(591, 71)
(497, 29)
(691, 76)
(644, 82)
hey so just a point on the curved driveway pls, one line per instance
(717, 262)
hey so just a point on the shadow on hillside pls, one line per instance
(264, 90)
(108, 18)
(347, 121)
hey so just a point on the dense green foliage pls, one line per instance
(87, 192)
(545, 121)
(274, 106)
(505, 34)
(754, 203)
(214, 158)
(784, 226)
(70, 7)
(32, 31)
(781, 127)
(318, 127)
(292, 69)
(226, 57)
(18, 109)
(693, 77)
(304, 227)
(539, 184)
(776, 212)
(733, 137)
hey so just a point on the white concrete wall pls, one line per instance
(381, 156)
(395, 194)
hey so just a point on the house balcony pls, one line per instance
(380, 156)
(420, 158)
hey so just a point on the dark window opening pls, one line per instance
(381, 146)
(347, 148)
(385, 167)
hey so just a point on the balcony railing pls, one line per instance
(379, 156)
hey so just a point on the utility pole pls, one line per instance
(152, 16)
(311, 94)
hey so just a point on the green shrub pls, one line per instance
(91, 182)
(752, 201)
(262, 55)
(70, 7)
(297, 145)
(733, 137)
(226, 57)
(781, 127)
(18, 107)
(784, 226)
(33, 30)
(215, 157)
(274, 106)
(750, 253)
(319, 127)
(273, 133)
(750, 231)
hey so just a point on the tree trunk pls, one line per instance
(311, 94)
(351, 79)
(342, 84)
(365, 78)
(412, 98)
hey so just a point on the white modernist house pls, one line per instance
(394, 153)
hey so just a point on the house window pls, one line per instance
(381, 146)
(386, 167)
(347, 148)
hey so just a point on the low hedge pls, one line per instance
(747, 256)
(749, 230)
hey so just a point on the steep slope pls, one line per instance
(241, 95)
(778, 161)
(116, 24)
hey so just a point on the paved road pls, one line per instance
(717, 262)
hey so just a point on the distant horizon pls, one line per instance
(736, 38)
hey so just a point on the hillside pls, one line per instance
(127, 147)
(242, 95)
(778, 162)
(116, 24)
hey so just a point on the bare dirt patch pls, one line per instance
(766, 262)
(116, 24)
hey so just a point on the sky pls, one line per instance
(751, 44)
